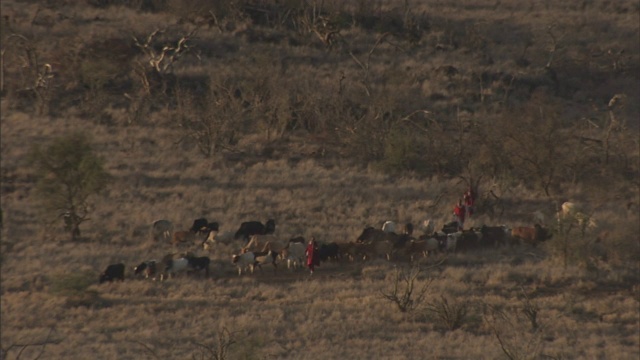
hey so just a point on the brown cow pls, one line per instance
(531, 235)
(182, 237)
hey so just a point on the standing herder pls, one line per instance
(459, 214)
(312, 254)
(469, 199)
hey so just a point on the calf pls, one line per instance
(147, 267)
(112, 272)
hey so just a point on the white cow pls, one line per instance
(244, 261)
(571, 212)
(173, 267)
(294, 255)
(570, 208)
(427, 227)
(389, 227)
(216, 237)
(452, 241)
(161, 229)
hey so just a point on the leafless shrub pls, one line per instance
(36, 77)
(530, 309)
(22, 347)
(404, 292)
(451, 315)
(219, 349)
(211, 121)
(507, 328)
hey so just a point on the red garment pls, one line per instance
(312, 255)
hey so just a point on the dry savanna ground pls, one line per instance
(587, 310)
(575, 296)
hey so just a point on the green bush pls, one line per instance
(68, 173)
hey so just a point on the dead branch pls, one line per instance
(162, 62)
(23, 347)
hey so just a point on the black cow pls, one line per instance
(371, 234)
(213, 226)
(494, 236)
(199, 225)
(450, 227)
(328, 251)
(112, 272)
(298, 239)
(250, 228)
(199, 263)
(408, 229)
(467, 240)
(147, 267)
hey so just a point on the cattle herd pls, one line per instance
(259, 246)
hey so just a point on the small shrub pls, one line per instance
(451, 315)
(530, 310)
(404, 292)
(69, 173)
(219, 349)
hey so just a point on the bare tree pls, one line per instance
(162, 61)
(405, 293)
(37, 77)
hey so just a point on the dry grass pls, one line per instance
(339, 313)
(587, 309)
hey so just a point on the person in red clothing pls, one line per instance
(469, 199)
(312, 254)
(459, 214)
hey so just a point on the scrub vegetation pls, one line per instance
(326, 116)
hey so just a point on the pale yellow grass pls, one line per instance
(336, 314)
